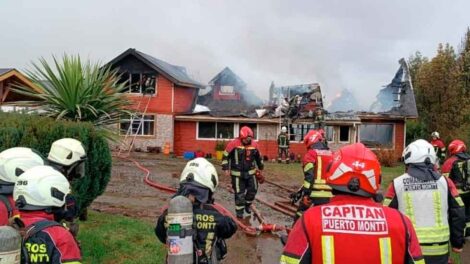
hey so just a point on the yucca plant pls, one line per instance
(71, 90)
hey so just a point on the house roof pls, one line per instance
(5, 70)
(6, 73)
(176, 74)
(227, 76)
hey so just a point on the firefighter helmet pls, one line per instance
(435, 134)
(312, 137)
(246, 132)
(283, 129)
(66, 152)
(40, 188)
(457, 146)
(14, 162)
(355, 169)
(419, 151)
(201, 172)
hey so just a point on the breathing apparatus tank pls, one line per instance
(10, 245)
(180, 231)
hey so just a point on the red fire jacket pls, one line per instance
(352, 229)
(53, 244)
(315, 164)
(4, 212)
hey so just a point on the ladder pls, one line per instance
(126, 146)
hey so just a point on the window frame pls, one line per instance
(142, 127)
(349, 134)
(223, 93)
(373, 123)
(333, 137)
(302, 134)
(128, 89)
(236, 130)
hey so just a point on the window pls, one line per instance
(344, 133)
(225, 89)
(253, 127)
(140, 126)
(139, 83)
(330, 133)
(376, 135)
(298, 131)
(212, 130)
(206, 130)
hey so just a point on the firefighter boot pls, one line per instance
(248, 209)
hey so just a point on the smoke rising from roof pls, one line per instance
(339, 44)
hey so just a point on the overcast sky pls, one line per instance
(352, 45)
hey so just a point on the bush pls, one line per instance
(39, 133)
(220, 145)
(386, 157)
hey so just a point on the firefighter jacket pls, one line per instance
(52, 245)
(352, 229)
(440, 149)
(434, 207)
(315, 164)
(283, 140)
(457, 168)
(211, 227)
(242, 160)
(7, 209)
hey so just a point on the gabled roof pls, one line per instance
(6, 73)
(176, 74)
(228, 76)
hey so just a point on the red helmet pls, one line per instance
(312, 137)
(355, 169)
(246, 132)
(457, 146)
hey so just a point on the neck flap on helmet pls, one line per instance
(201, 194)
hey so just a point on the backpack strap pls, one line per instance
(5, 201)
(39, 226)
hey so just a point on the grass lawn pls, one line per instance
(107, 238)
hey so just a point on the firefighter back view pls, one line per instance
(283, 146)
(314, 164)
(39, 193)
(13, 162)
(439, 147)
(457, 168)
(431, 201)
(352, 228)
(240, 161)
(198, 183)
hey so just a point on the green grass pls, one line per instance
(107, 238)
(389, 173)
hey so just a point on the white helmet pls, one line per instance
(13, 162)
(66, 152)
(39, 188)
(418, 152)
(201, 172)
(435, 134)
(283, 129)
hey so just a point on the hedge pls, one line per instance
(37, 132)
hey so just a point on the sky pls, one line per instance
(351, 45)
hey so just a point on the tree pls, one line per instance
(76, 91)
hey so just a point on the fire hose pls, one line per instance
(249, 230)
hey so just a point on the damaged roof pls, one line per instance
(175, 73)
(397, 98)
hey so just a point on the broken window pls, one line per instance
(212, 130)
(330, 133)
(141, 126)
(298, 131)
(253, 126)
(377, 135)
(206, 130)
(344, 133)
(139, 83)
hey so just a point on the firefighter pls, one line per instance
(314, 189)
(198, 182)
(13, 162)
(431, 201)
(68, 156)
(240, 160)
(439, 147)
(353, 228)
(283, 146)
(457, 168)
(38, 193)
